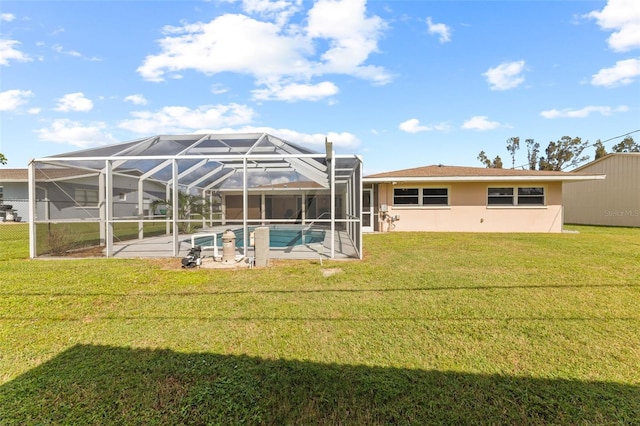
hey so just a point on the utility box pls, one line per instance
(261, 247)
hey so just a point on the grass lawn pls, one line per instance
(430, 328)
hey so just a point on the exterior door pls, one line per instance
(367, 210)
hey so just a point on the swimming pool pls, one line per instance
(278, 237)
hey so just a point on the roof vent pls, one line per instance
(440, 165)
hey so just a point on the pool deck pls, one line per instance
(163, 247)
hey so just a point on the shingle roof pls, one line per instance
(22, 175)
(440, 173)
(458, 171)
(13, 175)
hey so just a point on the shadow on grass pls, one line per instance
(112, 385)
(321, 290)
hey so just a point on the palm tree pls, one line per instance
(189, 207)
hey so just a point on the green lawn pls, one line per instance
(429, 328)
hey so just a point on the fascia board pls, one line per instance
(574, 178)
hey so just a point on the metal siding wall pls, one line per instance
(614, 201)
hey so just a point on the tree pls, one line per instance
(533, 149)
(627, 145)
(3, 159)
(565, 153)
(601, 151)
(495, 164)
(189, 207)
(513, 144)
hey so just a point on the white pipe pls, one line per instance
(216, 253)
(214, 246)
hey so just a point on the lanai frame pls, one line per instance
(262, 152)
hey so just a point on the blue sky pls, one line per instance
(402, 83)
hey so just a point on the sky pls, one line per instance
(401, 83)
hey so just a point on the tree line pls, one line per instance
(567, 152)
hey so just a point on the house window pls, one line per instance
(421, 196)
(521, 196)
(86, 197)
(435, 196)
(406, 196)
(500, 197)
(1, 194)
(532, 196)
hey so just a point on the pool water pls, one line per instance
(278, 237)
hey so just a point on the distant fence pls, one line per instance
(14, 210)
(13, 218)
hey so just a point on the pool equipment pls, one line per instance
(228, 246)
(261, 246)
(192, 259)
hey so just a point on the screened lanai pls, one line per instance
(156, 196)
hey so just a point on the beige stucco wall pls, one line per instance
(468, 210)
(614, 201)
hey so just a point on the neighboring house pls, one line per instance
(71, 193)
(612, 202)
(466, 199)
(14, 192)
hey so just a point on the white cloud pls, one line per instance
(59, 49)
(65, 131)
(9, 52)
(12, 99)
(7, 17)
(442, 30)
(218, 89)
(623, 72)
(506, 75)
(233, 43)
(279, 10)
(623, 18)
(34, 111)
(583, 112)
(412, 126)
(74, 102)
(178, 119)
(352, 37)
(296, 92)
(480, 122)
(275, 52)
(136, 99)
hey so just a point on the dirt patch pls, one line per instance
(95, 251)
(330, 271)
(166, 263)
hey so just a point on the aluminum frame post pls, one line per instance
(32, 210)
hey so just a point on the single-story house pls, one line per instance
(467, 199)
(70, 194)
(431, 198)
(14, 192)
(611, 202)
